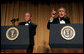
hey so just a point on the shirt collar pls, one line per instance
(28, 22)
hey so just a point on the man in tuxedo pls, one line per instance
(60, 19)
(32, 30)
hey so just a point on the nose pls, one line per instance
(61, 12)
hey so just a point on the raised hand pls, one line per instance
(53, 13)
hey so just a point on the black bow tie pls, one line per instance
(28, 22)
(62, 19)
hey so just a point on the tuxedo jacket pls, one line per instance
(56, 21)
(32, 31)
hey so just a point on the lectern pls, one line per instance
(68, 36)
(15, 37)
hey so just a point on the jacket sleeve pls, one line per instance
(33, 30)
(48, 25)
(19, 24)
(68, 21)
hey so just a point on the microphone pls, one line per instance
(14, 20)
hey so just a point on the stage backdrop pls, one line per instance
(41, 12)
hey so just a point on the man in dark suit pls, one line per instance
(60, 19)
(32, 30)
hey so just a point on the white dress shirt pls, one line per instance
(51, 19)
(61, 21)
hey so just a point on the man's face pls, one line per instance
(27, 16)
(62, 12)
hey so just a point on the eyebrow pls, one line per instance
(61, 10)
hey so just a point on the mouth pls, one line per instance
(61, 15)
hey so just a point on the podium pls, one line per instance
(21, 42)
(57, 41)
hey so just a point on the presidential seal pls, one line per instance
(68, 32)
(12, 33)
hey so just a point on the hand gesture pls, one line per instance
(53, 13)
